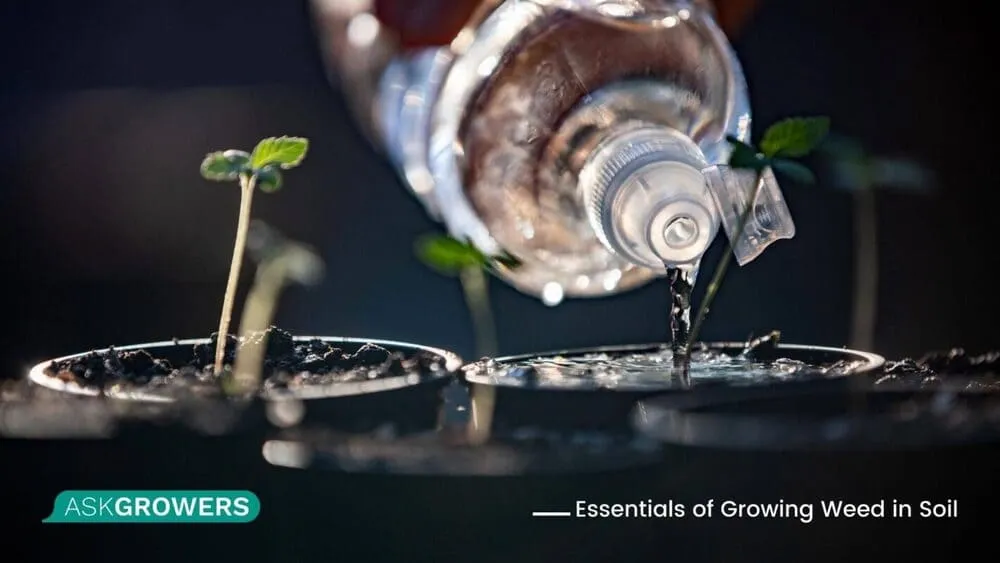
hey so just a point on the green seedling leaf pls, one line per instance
(269, 179)
(448, 255)
(286, 152)
(262, 168)
(744, 156)
(225, 166)
(794, 137)
(796, 171)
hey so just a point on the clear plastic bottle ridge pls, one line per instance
(585, 137)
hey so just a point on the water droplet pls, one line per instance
(552, 294)
(611, 279)
(582, 282)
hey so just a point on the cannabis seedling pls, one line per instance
(259, 169)
(861, 173)
(452, 257)
(782, 143)
(449, 256)
(280, 261)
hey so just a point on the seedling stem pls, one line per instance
(247, 185)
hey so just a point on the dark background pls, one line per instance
(110, 236)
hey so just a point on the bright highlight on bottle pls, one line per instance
(552, 294)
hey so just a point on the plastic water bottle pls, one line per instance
(585, 137)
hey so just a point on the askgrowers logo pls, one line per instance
(151, 507)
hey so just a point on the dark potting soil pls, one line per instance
(288, 364)
(978, 372)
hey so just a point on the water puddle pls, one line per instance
(647, 369)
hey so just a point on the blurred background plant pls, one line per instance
(452, 257)
(852, 168)
(112, 237)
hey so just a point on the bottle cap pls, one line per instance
(647, 198)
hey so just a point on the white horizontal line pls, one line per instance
(551, 514)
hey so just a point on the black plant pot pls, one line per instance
(407, 403)
(523, 405)
(919, 456)
(400, 510)
(140, 442)
(865, 416)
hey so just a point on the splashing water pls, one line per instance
(646, 369)
(681, 283)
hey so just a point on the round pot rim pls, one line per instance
(871, 361)
(677, 421)
(453, 363)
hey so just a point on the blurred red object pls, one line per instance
(426, 23)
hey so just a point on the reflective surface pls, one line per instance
(528, 452)
(650, 367)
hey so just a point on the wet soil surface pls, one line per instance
(288, 363)
(760, 360)
(978, 372)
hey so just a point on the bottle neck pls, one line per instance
(490, 164)
(647, 199)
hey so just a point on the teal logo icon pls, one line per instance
(154, 507)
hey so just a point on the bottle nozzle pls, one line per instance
(648, 199)
(653, 198)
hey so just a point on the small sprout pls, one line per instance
(269, 179)
(794, 170)
(225, 166)
(259, 169)
(280, 262)
(843, 148)
(783, 142)
(854, 168)
(795, 137)
(450, 256)
(745, 156)
(285, 152)
(901, 173)
(267, 245)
